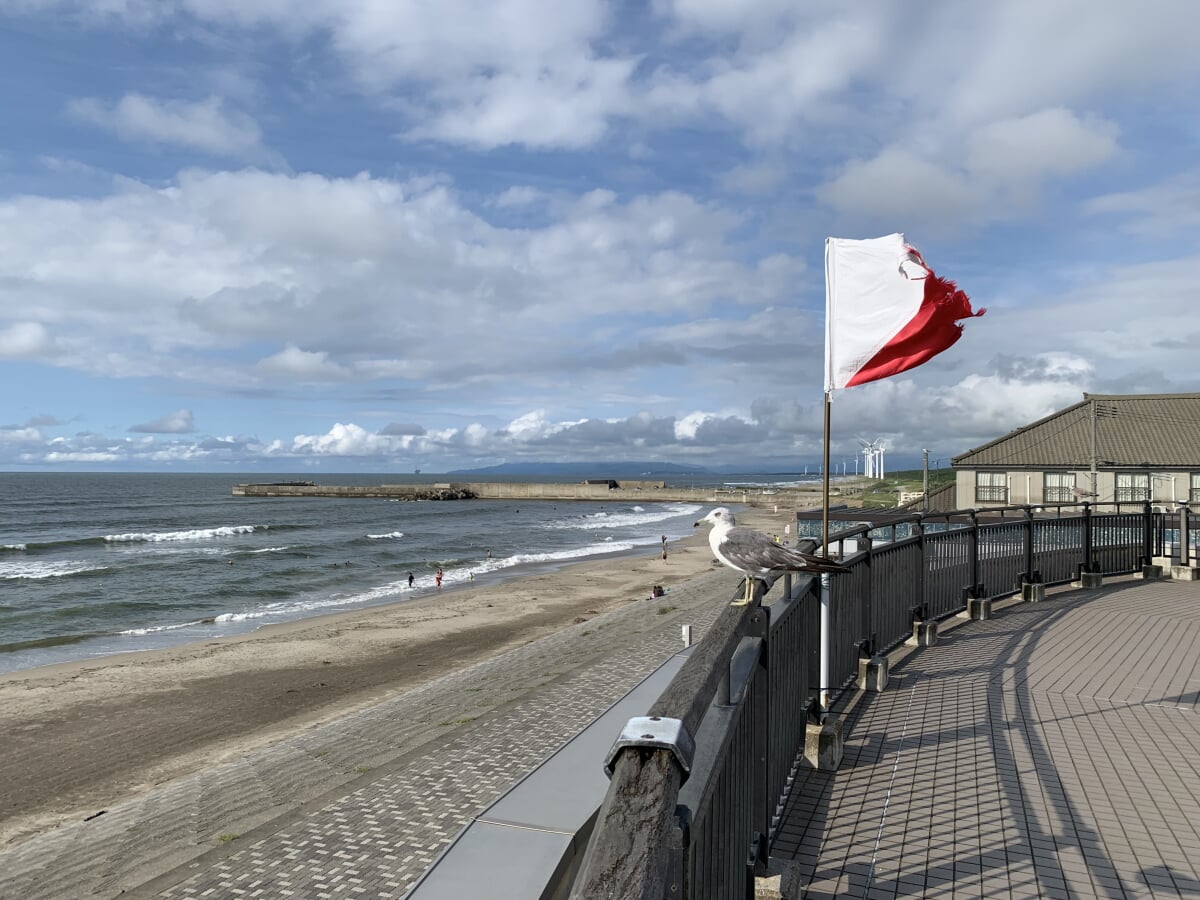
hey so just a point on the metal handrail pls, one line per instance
(743, 695)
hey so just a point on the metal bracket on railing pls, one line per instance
(656, 733)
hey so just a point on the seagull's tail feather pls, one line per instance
(822, 564)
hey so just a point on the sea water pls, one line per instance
(94, 564)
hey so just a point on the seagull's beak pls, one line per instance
(697, 523)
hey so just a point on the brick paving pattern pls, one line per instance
(360, 807)
(1053, 751)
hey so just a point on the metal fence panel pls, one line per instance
(1001, 557)
(1056, 544)
(1117, 542)
(947, 570)
(894, 572)
(720, 794)
(788, 648)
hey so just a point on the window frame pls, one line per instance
(987, 491)
(1132, 492)
(1058, 493)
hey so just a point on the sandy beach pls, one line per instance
(80, 736)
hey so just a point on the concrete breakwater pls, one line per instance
(625, 491)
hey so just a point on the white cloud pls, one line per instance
(344, 440)
(302, 365)
(178, 422)
(620, 247)
(389, 279)
(998, 173)
(1048, 142)
(1167, 208)
(203, 125)
(25, 339)
(898, 191)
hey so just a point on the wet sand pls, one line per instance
(79, 736)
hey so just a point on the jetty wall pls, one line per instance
(631, 491)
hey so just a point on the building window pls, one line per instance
(1194, 493)
(1059, 487)
(991, 487)
(1132, 487)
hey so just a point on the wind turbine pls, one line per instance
(872, 457)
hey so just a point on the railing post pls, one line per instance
(869, 599)
(973, 565)
(919, 525)
(826, 639)
(1185, 549)
(1147, 534)
(1087, 537)
(1029, 576)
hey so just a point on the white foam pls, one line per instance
(155, 629)
(14, 547)
(196, 534)
(635, 517)
(34, 570)
(389, 591)
(394, 535)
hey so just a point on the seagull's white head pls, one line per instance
(719, 516)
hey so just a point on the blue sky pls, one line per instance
(354, 235)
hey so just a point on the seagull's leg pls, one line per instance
(748, 596)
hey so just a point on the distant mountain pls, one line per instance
(587, 469)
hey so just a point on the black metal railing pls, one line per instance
(674, 828)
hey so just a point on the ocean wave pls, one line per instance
(14, 547)
(195, 534)
(632, 519)
(453, 575)
(38, 570)
(61, 640)
(156, 629)
(383, 537)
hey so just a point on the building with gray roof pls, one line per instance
(1106, 448)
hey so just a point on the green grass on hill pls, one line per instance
(885, 492)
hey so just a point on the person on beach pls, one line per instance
(439, 578)
(664, 540)
(410, 579)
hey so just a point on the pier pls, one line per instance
(599, 489)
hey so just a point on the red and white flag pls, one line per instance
(885, 310)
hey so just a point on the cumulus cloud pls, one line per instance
(402, 429)
(178, 422)
(649, 277)
(1165, 208)
(203, 125)
(360, 279)
(1048, 142)
(997, 174)
(25, 339)
(302, 365)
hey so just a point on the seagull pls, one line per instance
(755, 555)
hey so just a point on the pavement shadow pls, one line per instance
(1060, 829)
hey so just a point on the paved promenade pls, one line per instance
(360, 807)
(1053, 751)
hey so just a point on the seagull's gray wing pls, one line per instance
(752, 551)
